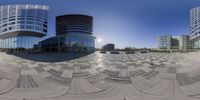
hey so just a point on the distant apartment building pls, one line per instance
(108, 47)
(195, 27)
(174, 42)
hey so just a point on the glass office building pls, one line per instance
(77, 43)
(73, 35)
(165, 41)
(72, 43)
(22, 26)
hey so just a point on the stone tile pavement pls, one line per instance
(152, 76)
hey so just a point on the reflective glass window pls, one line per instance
(20, 27)
(11, 23)
(29, 22)
(29, 27)
(21, 22)
(12, 19)
(5, 29)
(21, 13)
(39, 13)
(11, 28)
(30, 12)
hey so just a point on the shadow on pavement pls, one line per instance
(50, 57)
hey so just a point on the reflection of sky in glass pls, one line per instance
(19, 42)
(124, 22)
(23, 17)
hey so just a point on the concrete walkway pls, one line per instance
(152, 76)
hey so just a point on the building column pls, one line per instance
(59, 47)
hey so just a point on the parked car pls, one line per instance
(102, 51)
(114, 52)
(129, 52)
(143, 51)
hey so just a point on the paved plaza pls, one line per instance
(146, 76)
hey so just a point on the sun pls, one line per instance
(99, 40)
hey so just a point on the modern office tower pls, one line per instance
(195, 26)
(185, 43)
(165, 41)
(108, 47)
(73, 35)
(22, 26)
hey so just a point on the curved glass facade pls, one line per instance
(82, 43)
(22, 26)
(73, 35)
(23, 18)
(74, 23)
(25, 42)
(77, 43)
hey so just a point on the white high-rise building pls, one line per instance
(22, 26)
(195, 26)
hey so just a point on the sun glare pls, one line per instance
(99, 40)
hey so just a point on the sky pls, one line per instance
(133, 23)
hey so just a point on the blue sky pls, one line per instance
(123, 22)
